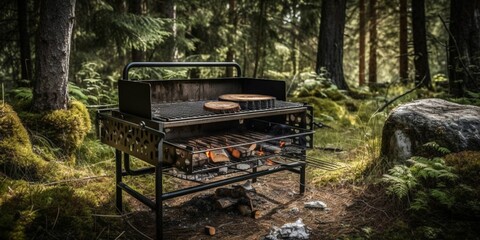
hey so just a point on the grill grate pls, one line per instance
(192, 110)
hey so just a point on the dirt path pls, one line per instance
(352, 211)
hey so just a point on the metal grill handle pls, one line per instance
(180, 64)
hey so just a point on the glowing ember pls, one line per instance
(269, 162)
(260, 152)
(282, 144)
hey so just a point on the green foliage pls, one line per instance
(59, 212)
(400, 181)
(319, 86)
(467, 165)
(139, 32)
(435, 189)
(91, 88)
(16, 155)
(64, 129)
(424, 181)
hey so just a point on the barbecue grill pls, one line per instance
(164, 123)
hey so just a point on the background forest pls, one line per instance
(352, 60)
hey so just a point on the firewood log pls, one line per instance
(268, 148)
(237, 192)
(244, 210)
(210, 230)
(242, 151)
(221, 107)
(199, 159)
(226, 202)
(218, 156)
(256, 214)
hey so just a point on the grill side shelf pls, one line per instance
(135, 139)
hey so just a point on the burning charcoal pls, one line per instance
(316, 204)
(296, 230)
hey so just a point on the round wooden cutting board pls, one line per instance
(250, 101)
(221, 106)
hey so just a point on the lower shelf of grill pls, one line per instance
(202, 175)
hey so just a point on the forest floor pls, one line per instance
(352, 210)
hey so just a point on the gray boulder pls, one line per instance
(409, 126)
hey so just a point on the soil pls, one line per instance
(352, 210)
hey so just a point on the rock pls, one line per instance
(223, 170)
(450, 125)
(243, 166)
(316, 204)
(294, 210)
(296, 230)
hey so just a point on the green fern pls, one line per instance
(436, 147)
(420, 202)
(443, 197)
(22, 94)
(427, 182)
(400, 180)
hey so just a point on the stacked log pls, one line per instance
(250, 101)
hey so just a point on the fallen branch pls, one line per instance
(71, 180)
(400, 96)
(330, 149)
(138, 231)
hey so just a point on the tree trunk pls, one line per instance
(422, 69)
(24, 42)
(464, 47)
(137, 7)
(361, 54)
(120, 7)
(403, 69)
(372, 60)
(52, 54)
(330, 43)
(260, 37)
(232, 21)
(168, 48)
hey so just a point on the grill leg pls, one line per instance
(158, 194)
(118, 180)
(302, 179)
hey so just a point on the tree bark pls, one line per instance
(168, 48)
(232, 21)
(403, 61)
(372, 60)
(137, 7)
(361, 54)
(330, 43)
(422, 69)
(52, 54)
(24, 42)
(260, 37)
(464, 47)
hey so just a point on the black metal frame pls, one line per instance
(131, 138)
(157, 204)
(123, 167)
